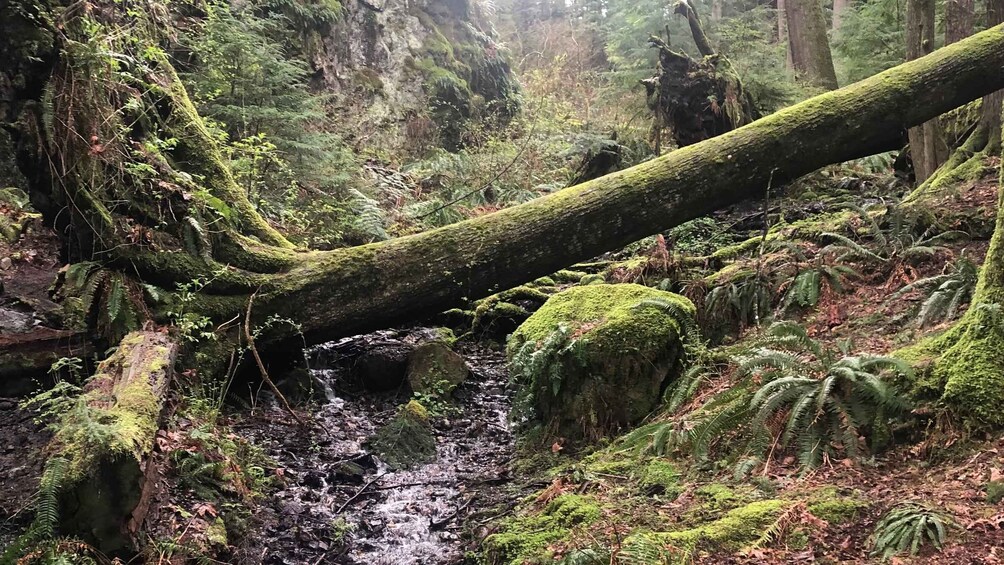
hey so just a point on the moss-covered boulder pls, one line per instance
(596, 358)
(434, 368)
(407, 440)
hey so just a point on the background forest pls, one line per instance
(193, 192)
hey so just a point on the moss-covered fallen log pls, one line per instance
(364, 288)
(105, 441)
(155, 226)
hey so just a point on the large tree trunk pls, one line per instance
(839, 8)
(960, 17)
(782, 32)
(965, 362)
(154, 229)
(928, 149)
(967, 162)
(810, 48)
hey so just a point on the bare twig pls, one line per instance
(261, 365)
(440, 524)
(358, 493)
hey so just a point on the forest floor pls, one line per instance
(327, 499)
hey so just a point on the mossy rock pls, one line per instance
(660, 477)
(737, 529)
(594, 359)
(407, 440)
(526, 538)
(829, 504)
(434, 368)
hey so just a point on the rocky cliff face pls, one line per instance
(410, 74)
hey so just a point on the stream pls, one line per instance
(341, 504)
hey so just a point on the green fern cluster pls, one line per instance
(907, 527)
(102, 300)
(946, 293)
(897, 241)
(830, 398)
(746, 300)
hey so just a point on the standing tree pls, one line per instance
(810, 48)
(927, 141)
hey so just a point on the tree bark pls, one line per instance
(810, 48)
(960, 19)
(343, 292)
(782, 32)
(839, 7)
(928, 149)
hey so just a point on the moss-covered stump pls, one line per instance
(434, 368)
(105, 440)
(407, 440)
(596, 358)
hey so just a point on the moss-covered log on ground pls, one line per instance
(106, 437)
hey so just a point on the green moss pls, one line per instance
(407, 440)
(568, 276)
(544, 281)
(736, 530)
(828, 504)
(995, 492)
(610, 367)
(433, 368)
(526, 539)
(661, 477)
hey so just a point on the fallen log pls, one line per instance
(106, 440)
(25, 358)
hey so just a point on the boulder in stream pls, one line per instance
(407, 440)
(596, 358)
(434, 368)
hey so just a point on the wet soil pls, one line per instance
(341, 504)
(21, 460)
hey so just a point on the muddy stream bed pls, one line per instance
(337, 489)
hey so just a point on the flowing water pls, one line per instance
(336, 489)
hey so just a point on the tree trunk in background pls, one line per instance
(782, 31)
(810, 48)
(991, 118)
(927, 141)
(716, 10)
(839, 7)
(960, 17)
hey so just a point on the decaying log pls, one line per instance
(107, 440)
(25, 358)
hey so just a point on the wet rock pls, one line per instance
(6, 263)
(347, 472)
(383, 367)
(314, 479)
(434, 368)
